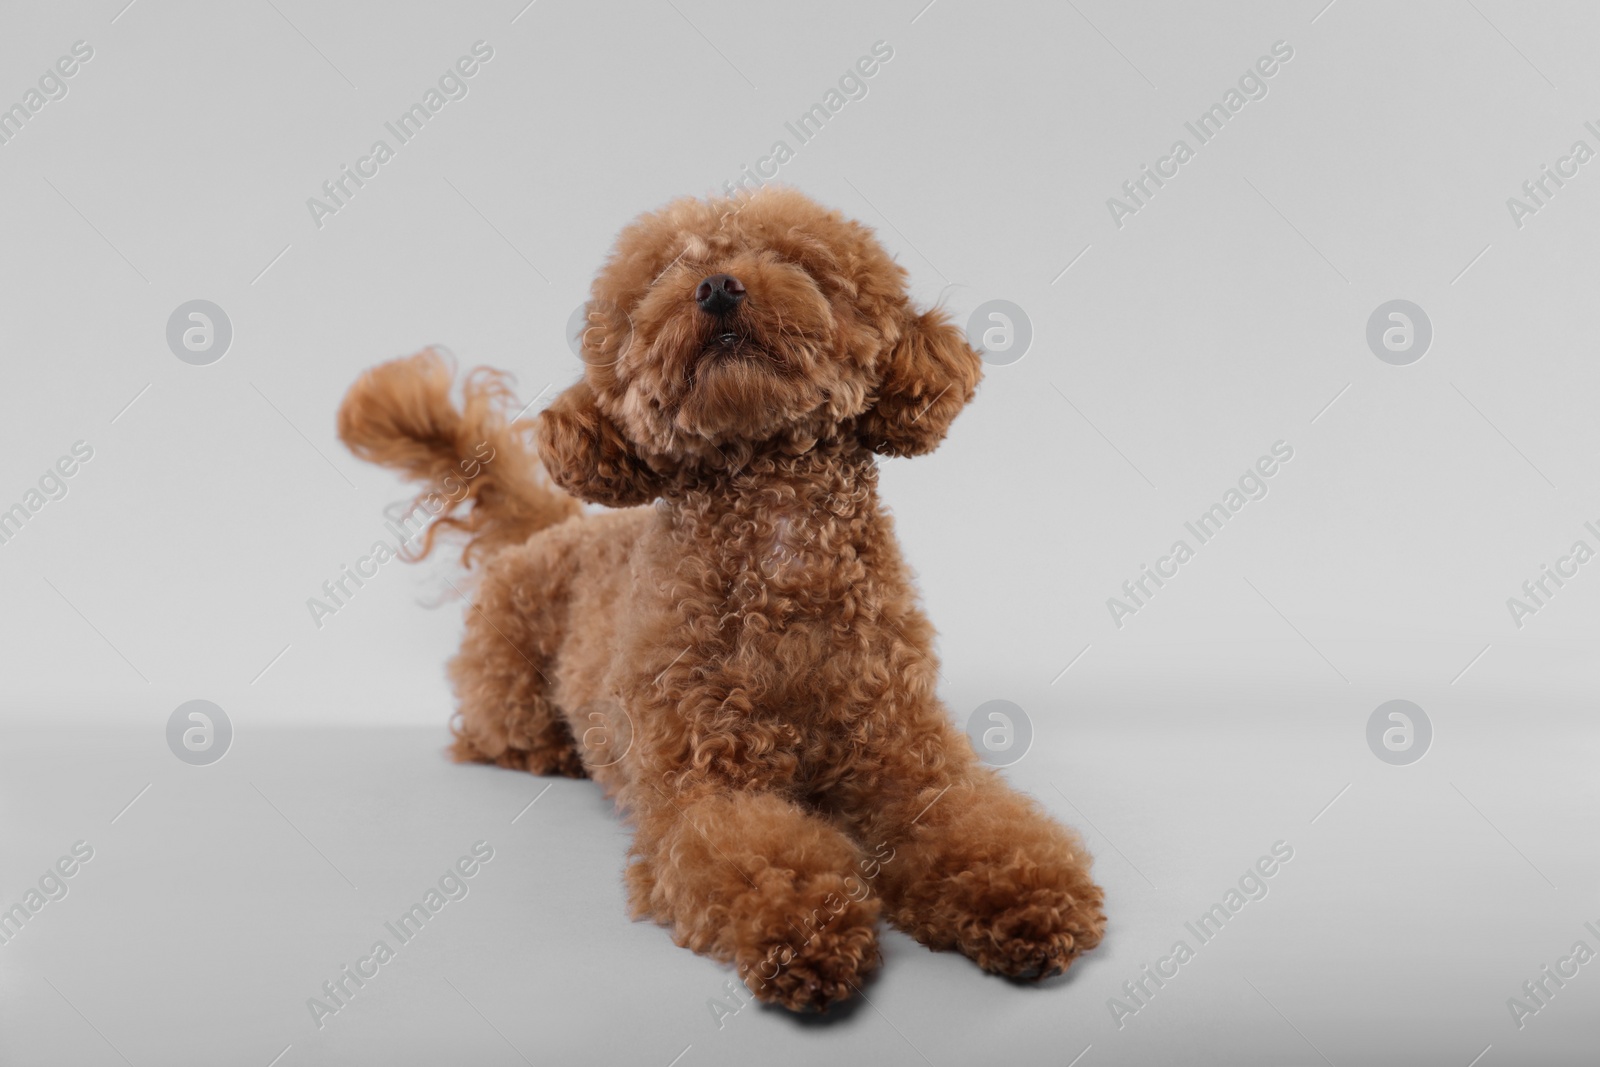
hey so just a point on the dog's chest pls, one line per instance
(785, 559)
(800, 556)
(782, 590)
(774, 564)
(790, 548)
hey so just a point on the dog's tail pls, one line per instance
(399, 414)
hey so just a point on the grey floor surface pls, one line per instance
(219, 899)
(1440, 468)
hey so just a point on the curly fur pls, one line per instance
(744, 665)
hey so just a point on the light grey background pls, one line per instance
(1168, 354)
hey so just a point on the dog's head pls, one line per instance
(719, 330)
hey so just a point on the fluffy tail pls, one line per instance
(399, 414)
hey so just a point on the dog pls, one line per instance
(736, 652)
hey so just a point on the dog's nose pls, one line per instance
(719, 294)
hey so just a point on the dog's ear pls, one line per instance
(586, 454)
(926, 378)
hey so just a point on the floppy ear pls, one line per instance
(927, 378)
(585, 453)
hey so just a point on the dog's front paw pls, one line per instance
(1036, 939)
(809, 963)
(1020, 920)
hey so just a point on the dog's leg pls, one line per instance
(505, 714)
(981, 868)
(753, 879)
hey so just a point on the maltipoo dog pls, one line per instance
(737, 654)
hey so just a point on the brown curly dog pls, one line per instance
(743, 665)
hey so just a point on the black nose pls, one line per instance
(719, 294)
